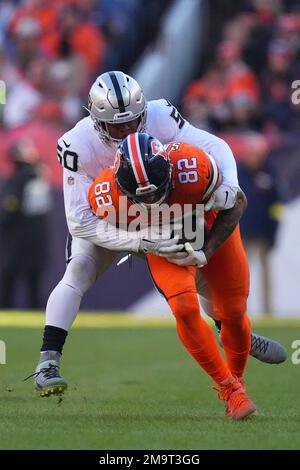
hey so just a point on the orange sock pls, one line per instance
(227, 277)
(197, 337)
(236, 340)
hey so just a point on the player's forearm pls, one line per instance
(147, 240)
(224, 225)
(106, 235)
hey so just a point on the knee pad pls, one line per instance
(80, 274)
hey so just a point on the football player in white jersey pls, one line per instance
(117, 108)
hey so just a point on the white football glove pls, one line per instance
(189, 257)
(222, 198)
(161, 247)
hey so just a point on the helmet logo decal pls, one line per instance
(117, 88)
(158, 149)
(136, 160)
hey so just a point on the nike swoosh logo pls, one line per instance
(67, 145)
(226, 197)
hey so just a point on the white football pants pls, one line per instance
(85, 263)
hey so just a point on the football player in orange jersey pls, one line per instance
(149, 175)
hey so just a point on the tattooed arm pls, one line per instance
(224, 225)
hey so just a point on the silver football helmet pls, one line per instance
(116, 98)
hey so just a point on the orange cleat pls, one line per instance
(238, 404)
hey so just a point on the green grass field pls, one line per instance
(133, 386)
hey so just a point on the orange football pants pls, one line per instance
(227, 277)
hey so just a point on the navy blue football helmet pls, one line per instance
(143, 170)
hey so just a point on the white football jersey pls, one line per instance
(84, 155)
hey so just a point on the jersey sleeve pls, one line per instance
(215, 147)
(164, 120)
(72, 155)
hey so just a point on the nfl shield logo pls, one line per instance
(71, 180)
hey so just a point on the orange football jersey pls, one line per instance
(193, 181)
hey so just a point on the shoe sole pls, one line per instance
(252, 413)
(52, 390)
(278, 360)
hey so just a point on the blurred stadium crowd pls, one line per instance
(247, 83)
(51, 51)
(58, 48)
